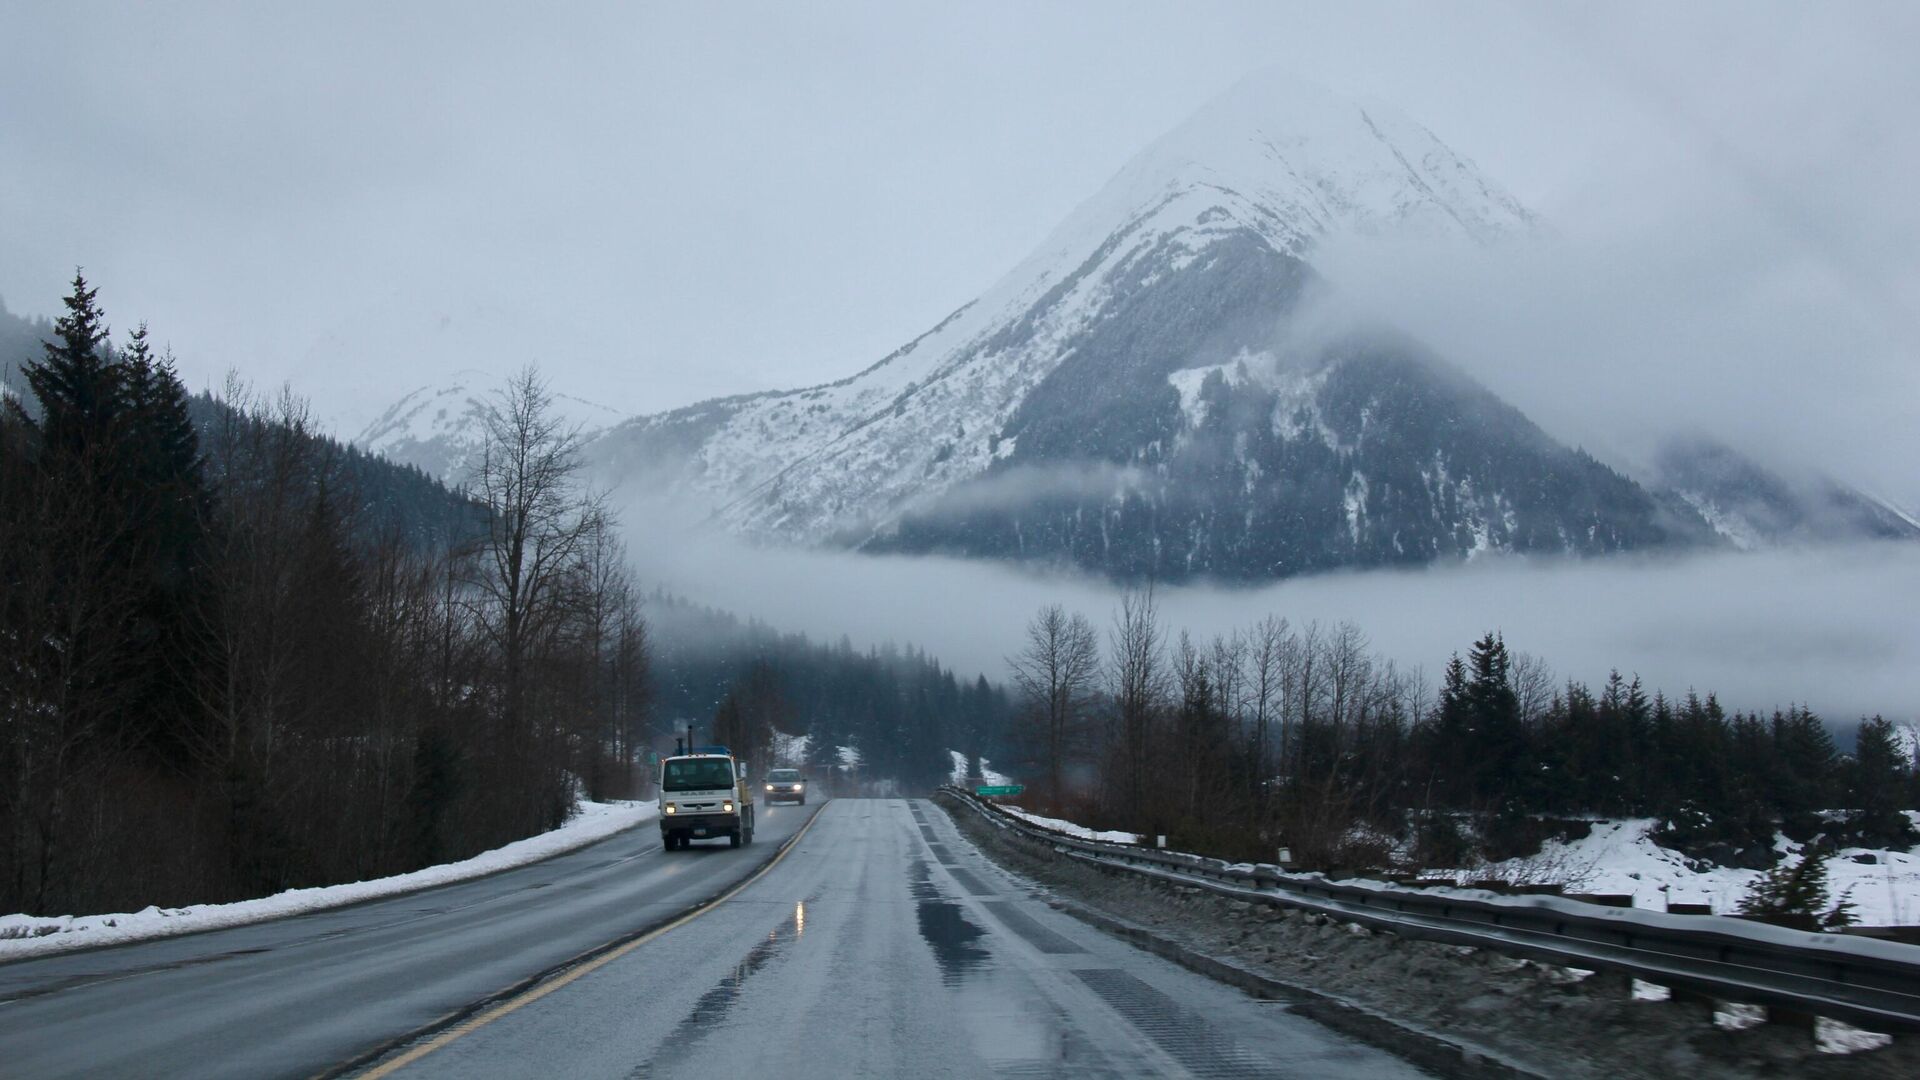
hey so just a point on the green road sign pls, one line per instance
(1003, 789)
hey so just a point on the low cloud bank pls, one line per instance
(1835, 628)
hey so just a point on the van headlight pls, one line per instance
(769, 787)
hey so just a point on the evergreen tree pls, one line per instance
(1876, 780)
(1450, 747)
(1498, 742)
(75, 383)
(1796, 895)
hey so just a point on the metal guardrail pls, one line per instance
(1871, 984)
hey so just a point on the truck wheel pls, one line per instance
(733, 838)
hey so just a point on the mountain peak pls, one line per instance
(1298, 162)
(1195, 252)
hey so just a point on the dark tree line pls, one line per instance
(238, 657)
(900, 709)
(1300, 736)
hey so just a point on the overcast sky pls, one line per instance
(665, 202)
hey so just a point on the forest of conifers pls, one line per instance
(240, 657)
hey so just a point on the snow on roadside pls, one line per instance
(1110, 836)
(23, 936)
(1620, 857)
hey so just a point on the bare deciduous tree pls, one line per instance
(1266, 653)
(1137, 681)
(1055, 674)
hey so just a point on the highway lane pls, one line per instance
(298, 996)
(884, 945)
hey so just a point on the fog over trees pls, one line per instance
(1303, 737)
(237, 656)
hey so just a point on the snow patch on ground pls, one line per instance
(1834, 1037)
(22, 936)
(1110, 836)
(1620, 857)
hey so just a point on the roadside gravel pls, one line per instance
(1516, 1014)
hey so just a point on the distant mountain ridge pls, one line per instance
(1753, 507)
(440, 428)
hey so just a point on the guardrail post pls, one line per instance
(1680, 995)
(1793, 1018)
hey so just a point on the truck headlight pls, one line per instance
(726, 807)
(669, 808)
(769, 787)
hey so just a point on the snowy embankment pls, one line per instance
(32, 935)
(1110, 836)
(1620, 857)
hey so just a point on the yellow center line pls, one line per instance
(534, 994)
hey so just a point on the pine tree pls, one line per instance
(75, 383)
(1498, 743)
(1876, 782)
(1796, 895)
(1452, 735)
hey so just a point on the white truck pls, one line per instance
(704, 795)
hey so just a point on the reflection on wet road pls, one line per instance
(944, 928)
(885, 945)
(708, 1012)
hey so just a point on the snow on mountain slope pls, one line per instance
(1273, 164)
(439, 428)
(1754, 507)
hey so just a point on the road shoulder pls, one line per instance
(1486, 1014)
(27, 937)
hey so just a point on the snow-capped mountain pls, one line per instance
(1145, 394)
(1167, 387)
(440, 428)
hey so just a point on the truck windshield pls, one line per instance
(697, 774)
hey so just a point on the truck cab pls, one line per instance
(704, 795)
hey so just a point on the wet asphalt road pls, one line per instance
(299, 996)
(885, 945)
